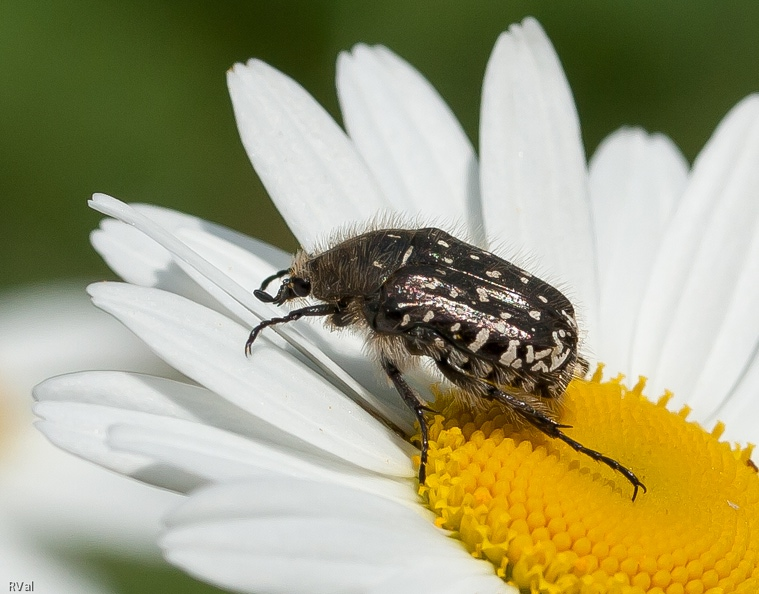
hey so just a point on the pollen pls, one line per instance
(553, 521)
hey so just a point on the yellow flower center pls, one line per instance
(553, 521)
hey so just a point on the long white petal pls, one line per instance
(220, 456)
(177, 436)
(282, 536)
(80, 409)
(739, 411)
(157, 396)
(140, 260)
(409, 137)
(699, 321)
(82, 428)
(306, 162)
(635, 182)
(218, 287)
(533, 175)
(271, 384)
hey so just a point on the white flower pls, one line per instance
(302, 489)
(50, 501)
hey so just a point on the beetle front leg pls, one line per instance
(417, 405)
(324, 309)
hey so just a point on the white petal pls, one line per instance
(205, 346)
(81, 409)
(81, 430)
(408, 137)
(739, 411)
(306, 162)
(220, 288)
(136, 258)
(218, 456)
(160, 397)
(301, 536)
(635, 182)
(129, 250)
(533, 176)
(178, 436)
(699, 321)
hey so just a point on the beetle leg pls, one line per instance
(324, 309)
(537, 419)
(417, 405)
(553, 429)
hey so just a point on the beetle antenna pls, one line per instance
(268, 280)
(261, 293)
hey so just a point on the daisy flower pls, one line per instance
(295, 485)
(52, 505)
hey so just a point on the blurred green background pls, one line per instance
(129, 98)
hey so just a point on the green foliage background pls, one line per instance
(129, 98)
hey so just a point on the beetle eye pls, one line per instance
(300, 286)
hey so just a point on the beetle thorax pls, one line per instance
(354, 268)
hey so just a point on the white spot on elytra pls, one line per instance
(483, 294)
(504, 315)
(509, 356)
(543, 299)
(377, 264)
(570, 319)
(535, 314)
(557, 360)
(454, 293)
(524, 280)
(493, 274)
(560, 352)
(393, 236)
(406, 319)
(501, 327)
(456, 327)
(540, 366)
(448, 260)
(479, 340)
(543, 353)
(474, 256)
(443, 243)
(428, 316)
(530, 354)
(407, 255)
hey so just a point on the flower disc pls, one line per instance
(553, 520)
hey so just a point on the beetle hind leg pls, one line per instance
(553, 429)
(538, 419)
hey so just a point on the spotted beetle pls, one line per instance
(492, 329)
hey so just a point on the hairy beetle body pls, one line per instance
(492, 329)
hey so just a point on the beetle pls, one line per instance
(492, 329)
